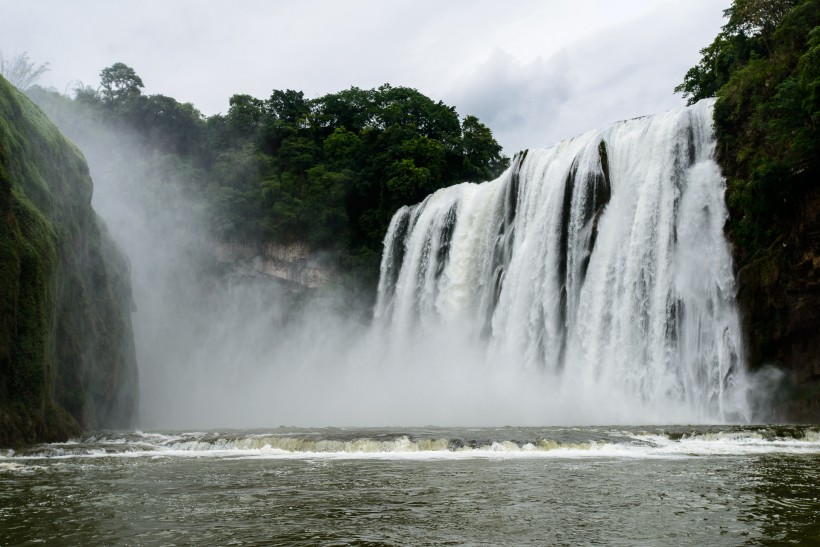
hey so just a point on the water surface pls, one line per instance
(615, 486)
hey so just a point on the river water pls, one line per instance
(682, 485)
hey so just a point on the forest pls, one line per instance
(329, 171)
(764, 67)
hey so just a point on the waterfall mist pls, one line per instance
(589, 284)
(216, 347)
(221, 348)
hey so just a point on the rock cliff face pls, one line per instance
(779, 294)
(67, 357)
(293, 262)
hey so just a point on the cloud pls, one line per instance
(509, 95)
(615, 73)
(534, 71)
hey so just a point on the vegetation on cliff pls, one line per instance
(66, 348)
(328, 171)
(764, 67)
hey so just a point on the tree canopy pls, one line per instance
(118, 83)
(334, 169)
(329, 171)
(764, 67)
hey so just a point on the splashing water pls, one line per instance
(600, 262)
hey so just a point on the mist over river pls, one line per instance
(423, 486)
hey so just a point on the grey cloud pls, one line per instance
(534, 71)
(508, 95)
(618, 73)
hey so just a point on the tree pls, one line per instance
(757, 17)
(20, 71)
(747, 35)
(329, 171)
(482, 158)
(288, 106)
(118, 83)
(166, 124)
(86, 94)
(245, 115)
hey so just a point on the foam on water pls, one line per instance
(445, 444)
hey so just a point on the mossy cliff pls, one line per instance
(67, 357)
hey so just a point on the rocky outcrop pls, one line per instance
(779, 295)
(294, 262)
(67, 357)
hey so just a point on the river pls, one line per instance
(682, 485)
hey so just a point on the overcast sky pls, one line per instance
(534, 71)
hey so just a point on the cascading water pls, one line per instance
(601, 261)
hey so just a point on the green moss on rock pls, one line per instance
(66, 346)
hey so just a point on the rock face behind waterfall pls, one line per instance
(295, 262)
(601, 260)
(779, 295)
(66, 347)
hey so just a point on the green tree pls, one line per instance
(166, 124)
(118, 83)
(766, 126)
(482, 158)
(329, 171)
(746, 36)
(245, 115)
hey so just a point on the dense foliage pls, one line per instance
(764, 67)
(329, 171)
(335, 169)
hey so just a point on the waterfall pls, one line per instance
(600, 261)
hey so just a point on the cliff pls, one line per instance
(779, 297)
(67, 357)
(294, 262)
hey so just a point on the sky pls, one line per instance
(534, 71)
